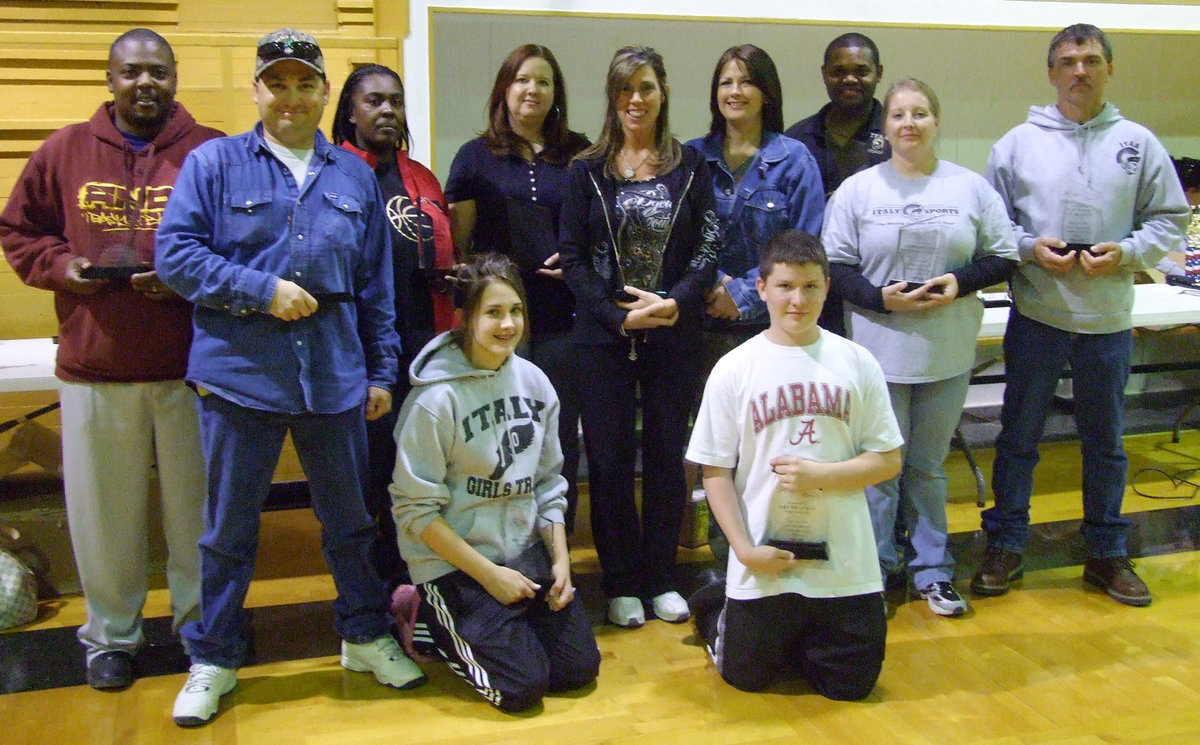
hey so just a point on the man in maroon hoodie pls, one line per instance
(80, 222)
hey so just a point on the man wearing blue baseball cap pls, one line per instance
(280, 240)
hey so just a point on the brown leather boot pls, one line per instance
(1115, 574)
(999, 567)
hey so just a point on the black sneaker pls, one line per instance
(705, 605)
(110, 671)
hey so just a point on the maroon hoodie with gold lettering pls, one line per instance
(88, 192)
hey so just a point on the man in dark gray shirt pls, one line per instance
(846, 135)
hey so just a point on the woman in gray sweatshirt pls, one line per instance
(478, 499)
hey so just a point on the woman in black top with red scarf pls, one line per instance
(370, 123)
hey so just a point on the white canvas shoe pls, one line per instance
(626, 612)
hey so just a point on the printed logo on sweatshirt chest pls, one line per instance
(492, 489)
(515, 419)
(1129, 157)
(912, 212)
(117, 207)
(501, 411)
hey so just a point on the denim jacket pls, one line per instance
(235, 224)
(780, 190)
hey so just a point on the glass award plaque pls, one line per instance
(116, 262)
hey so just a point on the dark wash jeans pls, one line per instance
(1034, 356)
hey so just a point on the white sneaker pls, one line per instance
(385, 659)
(626, 612)
(200, 698)
(943, 599)
(670, 607)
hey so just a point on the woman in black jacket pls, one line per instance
(638, 240)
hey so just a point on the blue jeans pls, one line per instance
(927, 414)
(1034, 356)
(241, 448)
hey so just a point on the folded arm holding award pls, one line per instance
(1081, 221)
(115, 264)
(797, 525)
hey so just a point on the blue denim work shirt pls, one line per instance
(780, 190)
(236, 223)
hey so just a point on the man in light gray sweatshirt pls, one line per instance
(1093, 198)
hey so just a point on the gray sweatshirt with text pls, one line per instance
(1107, 179)
(480, 449)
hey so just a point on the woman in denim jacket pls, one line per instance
(638, 240)
(764, 183)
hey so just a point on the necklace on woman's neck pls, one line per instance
(631, 171)
(530, 149)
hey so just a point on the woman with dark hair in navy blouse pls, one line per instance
(505, 189)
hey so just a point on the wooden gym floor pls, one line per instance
(1054, 661)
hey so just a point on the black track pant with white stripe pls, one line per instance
(511, 654)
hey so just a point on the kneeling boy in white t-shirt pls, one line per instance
(793, 425)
